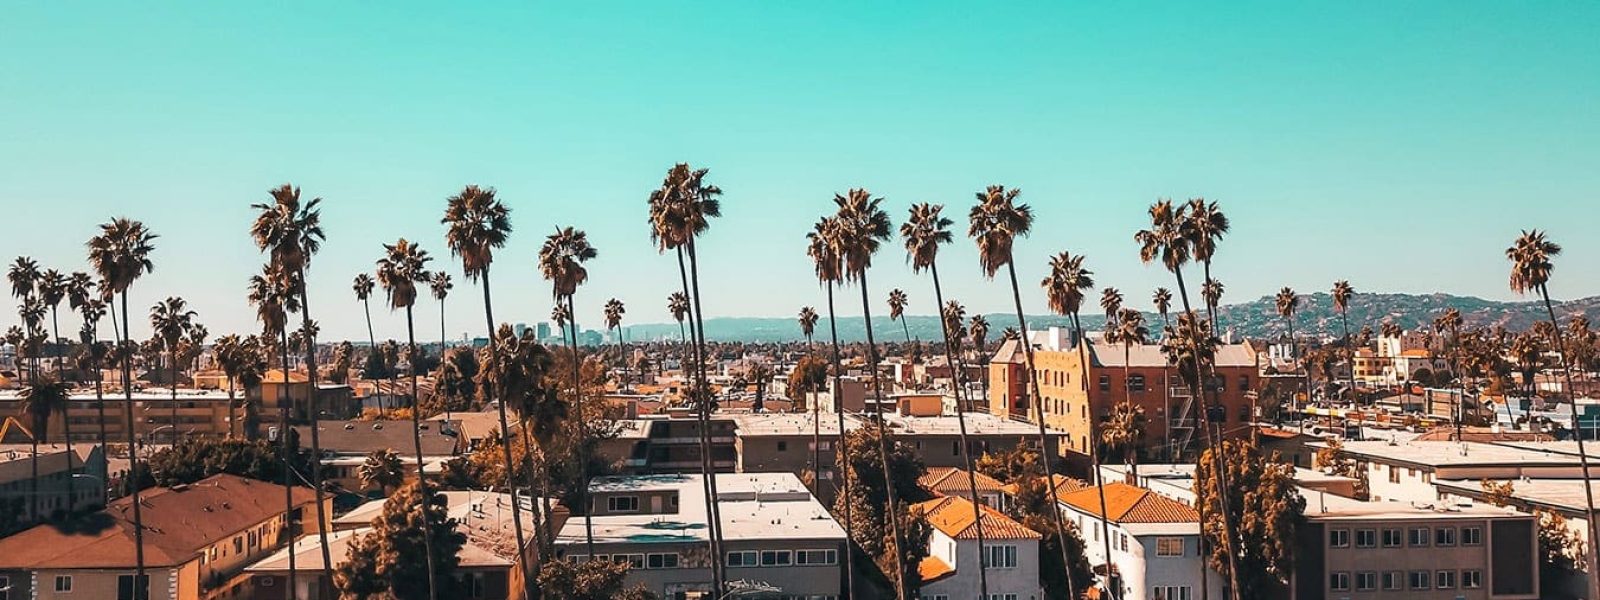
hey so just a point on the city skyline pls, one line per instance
(1354, 142)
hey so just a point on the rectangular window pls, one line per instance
(634, 561)
(1169, 546)
(1338, 538)
(1444, 536)
(1393, 538)
(666, 560)
(1136, 383)
(1471, 579)
(63, 583)
(1366, 538)
(1394, 474)
(1419, 536)
(1000, 557)
(783, 446)
(5, 587)
(1394, 580)
(1244, 383)
(1444, 580)
(816, 557)
(1420, 580)
(1123, 541)
(126, 586)
(1105, 383)
(1471, 536)
(622, 504)
(743, 558)
(1339, 581)
(1170, 592)
(1367, 581)
(776, 558)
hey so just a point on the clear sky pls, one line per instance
(1400, 145)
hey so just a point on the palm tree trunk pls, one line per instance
(233, 415)
(1350, 353)
(372, 347)
(1045, 451)
(529, 578)
(961, 423)
(1113, 584)
(842, 458)
(172, 369)
(285, 451)
(422, 476)
(141, 579)
(1132, 451)
(1217, 465)
(100, 407)
(883, 443)
(66, 432)
(583, 436)
(1577, 427)
(312, 404)
(701, 393)
(55, 339)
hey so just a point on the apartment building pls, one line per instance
(1010, 553)
(1074, 392)
(1155, 541)
(60, 489)
(346, 445)
(775, 532)
(1406, 471)
(198, 539)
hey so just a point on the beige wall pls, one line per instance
(102, 584)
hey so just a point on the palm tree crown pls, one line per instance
(287, 230)
(678, 305)
(1168, 239)
(403, 266)
(1067, 284)
(808, 321)
(822, 245)
(995, 222)
(272, 292)
(1530, 258)
(441, 285)
(897, 304)
(1207, 226)
(613, 313)
(924, 231)
(1288, 302)
(478, 225)
(682, 207)
(862, 226)
(1111, 302)
(363, 286)
(121, 254)
(1342, 292)
(561, 260)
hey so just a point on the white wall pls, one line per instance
(1140, 567)
(1023, 580)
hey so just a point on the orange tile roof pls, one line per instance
(950, 481)
(1131, 504)
(276, 376)
(953, 517)
(1414, 353)
(932, 569)
(1064, 485)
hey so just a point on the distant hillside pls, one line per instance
(1257, 318)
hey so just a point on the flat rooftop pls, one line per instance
(1461, 454)
(1559, 494)
(1324, 507)
(754, 506)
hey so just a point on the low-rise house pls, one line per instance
(774, 532)
(346, 445)
(1155, 542)
(954, 482)
(197, 540)
(59, 489)
(1010, 552)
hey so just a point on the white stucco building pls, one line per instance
(1155, 541)
(951, 570)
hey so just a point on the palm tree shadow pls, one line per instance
(85, 524)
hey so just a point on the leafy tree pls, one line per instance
(1498, 493)
(1265, 510)
(196, 459)
(1008, 466)
(1032, 506)
(810, 374)
(397, 545)
(454, 383)
(383, 470)
(588, 580)
(1333, 460)
(868, 499)
(1561, 551)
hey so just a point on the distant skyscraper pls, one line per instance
(542, 330)
(519, 329)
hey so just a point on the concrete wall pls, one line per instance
(1022, 580)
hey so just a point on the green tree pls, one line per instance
(404, 534)
(1265, 509)
(1033, 507)
(1019, 462)
(194, 459)
(1561, 550)
(454, 383)
(382, 469)
(867, 498)
(589, 580)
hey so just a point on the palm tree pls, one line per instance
(678, 304)
(440, 284)
(561, 263)
(1211, 291)
(478, 225)
(862, 226)
(171, 319)
(1162, 298)
(680, 210)
(1126, 428)
(516, 368)
(995, 223)
(1450, 323)
(53, 287)
(923, 232)
(24, 277)
(808, 323)
(383, 469)
(363, 287)
(897, 311)
(272, 294)
(1531, 257)
(1111, 303)
(402, 268)
(1207, 226)
(823, 249)
(40, 400)
(614, 310)
(1288, 302)
(1342, 292)
(978, 330)
(120, 254)
(1066, 287)
(291, 233)
(228, 352)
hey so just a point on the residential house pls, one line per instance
(1010, 553)
(1154, 540)
(59, 488)
(346, 445)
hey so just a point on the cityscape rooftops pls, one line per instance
(1127, 504)
(953, 517)
(1460, 454)
(439, 438)
(754, 506)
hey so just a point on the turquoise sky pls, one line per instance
(1400, 145)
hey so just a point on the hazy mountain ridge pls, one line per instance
(1254, 319)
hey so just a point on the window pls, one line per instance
(1338, 538)
(783, 446)
(1169, 546)
(1471, 579)
(1170, 592)
(1105, 383)
(1339, 581)
(1136, 383)
(1000, 557)
(1392, 538)
(666, 560)
(744, 558)
(5, 587)
(816, 557)
(126, 587)
(1366, 538)
(1394, 580)
(955, 448)
(622, 504)
(634, 561)
(776, 558)
(1123, 541)
(1444, 580)
(1394, 474)
(1244, 383)
(1002, 597)
(1367, 581)
(1444, 536)
(238, 544)
(1471, 536)
(63, 583)
(1420, 580)
(1419, 536)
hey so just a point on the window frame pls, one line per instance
(1399, 537)
(1366, 581)
(1338, 538)
(1339, 581)
(1164, 550)
(1427, 580)
(60, 589)
(1471, 579)
(1427, 537)
(1370, 534)
(1444, 537)
(754, 562)
(1475, 539)
(1444, 579)
(612, 502)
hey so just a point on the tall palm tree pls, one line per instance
(561, 263)
(1288, 303)
(120, 255)
(823, 249)
(272, 294)
(291, 233)
(978, 331)
(441, 285)
(1207, 226)
(42, 399)
(808, 323)
(680, 210)
(53, 288)
(1211, 291)
(1171, 240)
(1128, 331)
(1111, 303)
(93, 358)
(403, 267)
(1449, 324)
(1162, 298)
(1532, 263)
(24, 277)
(897, 311)
(923, 232)
(363, 287)
(614, 309)
(995, 222)
(862, 226)
(170, 319)
(478, 224)
(229, 355)
(1342, 292)
(1066, 287)
(678, 304)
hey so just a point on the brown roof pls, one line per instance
(1131, 504)
(950, 481)
(276, 376)
(1009, 352)
(179, 522)
(1064, 485)
(953, 517)
(932, 569)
